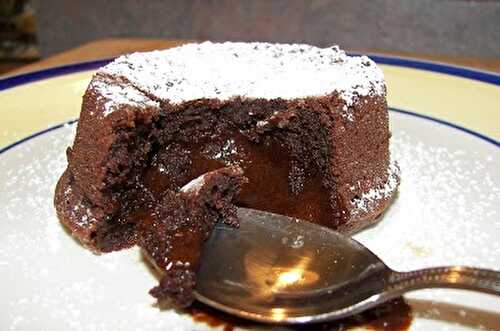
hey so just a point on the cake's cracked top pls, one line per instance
(249, 70)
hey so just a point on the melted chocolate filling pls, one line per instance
(277, 183)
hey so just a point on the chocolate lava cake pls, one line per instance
(173, 235)
(308, 126)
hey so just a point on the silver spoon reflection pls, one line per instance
(278, 269)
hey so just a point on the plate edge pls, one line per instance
(439, 67)
(393, 109)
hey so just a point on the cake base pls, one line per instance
(80, 218)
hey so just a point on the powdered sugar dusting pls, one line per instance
(251, 70)
(82, 215)
(369, 199)
(195, 185)
(28, 190)
(447, 198)
(117, 95)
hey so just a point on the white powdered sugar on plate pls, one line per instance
(444, 199)
(251, 70)
(446, 213)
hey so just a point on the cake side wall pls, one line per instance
(81, 198)
(87, 156)
(78, 198)
(361, 158)
(94, 158)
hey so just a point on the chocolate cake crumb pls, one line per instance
(173, 235)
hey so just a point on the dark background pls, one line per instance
(436, 27)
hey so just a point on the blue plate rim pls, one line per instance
(443, 68)
(396, 110)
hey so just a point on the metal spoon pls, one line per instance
(278, 269)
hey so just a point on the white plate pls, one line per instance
(447, 213)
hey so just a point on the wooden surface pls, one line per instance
(106, 48)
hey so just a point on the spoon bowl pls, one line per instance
(278, 269)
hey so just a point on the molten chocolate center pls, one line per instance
(277, 182)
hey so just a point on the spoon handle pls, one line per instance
(475, 279)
